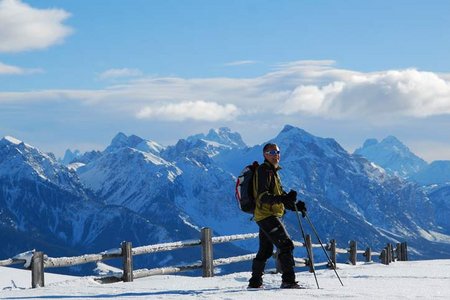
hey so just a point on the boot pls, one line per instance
(291, 285)
(255, 283)
(257, 273)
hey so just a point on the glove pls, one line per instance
(292, 195)
(289, 200)
(301, 207)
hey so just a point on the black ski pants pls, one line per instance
(272, 232)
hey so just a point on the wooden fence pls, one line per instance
(37, 261)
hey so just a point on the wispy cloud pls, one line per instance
(302, 64)
(120, 73)
(241, 63)
(23, 27)
(13, 70)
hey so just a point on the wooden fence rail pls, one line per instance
(37, 261)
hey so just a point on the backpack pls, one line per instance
(244, 188)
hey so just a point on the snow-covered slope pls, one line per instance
(129, 177)
(20, 161)
(440, 197)
(207, 191)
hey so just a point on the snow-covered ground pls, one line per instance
(400, 280)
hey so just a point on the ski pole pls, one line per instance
(323, 248)
(307, 248)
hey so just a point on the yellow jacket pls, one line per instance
(266, 188)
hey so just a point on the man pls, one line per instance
(271, 202)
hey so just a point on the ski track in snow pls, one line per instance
(400, 280)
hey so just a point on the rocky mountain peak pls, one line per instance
(121, 140)
(392, 155)
(222, 137)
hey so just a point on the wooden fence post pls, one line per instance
(392, 252)
(37, 269)
(398, 254)
(353, 249)
(207, 252)
(383, 257)
(308, 243)
(389, 252)
(333, 254)
(404, 251)
(127, 259)
(368, 254)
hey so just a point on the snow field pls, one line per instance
(400, 280)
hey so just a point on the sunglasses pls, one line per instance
(273, 152)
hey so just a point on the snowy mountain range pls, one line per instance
(141, 191)
(44, 205)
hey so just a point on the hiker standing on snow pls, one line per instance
(271, 202)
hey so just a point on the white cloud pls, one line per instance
(396, 93)
(120, 73)
(311, 98)
(316, 89)
(13, 70)
(192, 110)
(23, 27)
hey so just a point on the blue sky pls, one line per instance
(74, 73)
